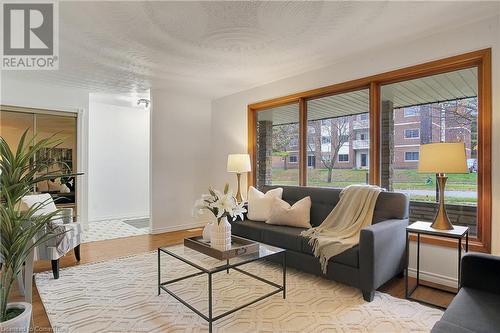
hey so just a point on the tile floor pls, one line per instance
(103, 230)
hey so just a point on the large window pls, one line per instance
(444, 108)
(278, 146)
(337, 135)
(371, 130)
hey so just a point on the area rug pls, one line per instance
(121, 296)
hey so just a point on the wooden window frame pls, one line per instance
(480, 59)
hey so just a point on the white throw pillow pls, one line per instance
(298, 215)
(48, 204)
(259, 204)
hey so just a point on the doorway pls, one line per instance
(14, 121)
(364, 160)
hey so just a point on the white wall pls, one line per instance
(44, 96)
(229, 114)
(25, 93)
(118, 158)
(180, 158)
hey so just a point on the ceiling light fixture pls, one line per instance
(143, 101)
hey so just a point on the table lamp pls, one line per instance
(442, 158)
(238, 163)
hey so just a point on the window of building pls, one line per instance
(411, 112)
(413, 133)
(293, 159)
(343, 157)
(326, 139)
(411, 156)
(363, 116)
(311, 161)
(362, 136)
(345, 137)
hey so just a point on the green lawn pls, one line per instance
(403, 180)
(411, 179)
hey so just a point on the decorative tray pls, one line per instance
(239, 246)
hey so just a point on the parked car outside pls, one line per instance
(472, 164)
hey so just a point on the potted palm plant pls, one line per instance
(21, 230)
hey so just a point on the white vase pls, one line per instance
(220, 236)
(206, 231)
(20, 323)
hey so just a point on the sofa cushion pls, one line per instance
(248, 229)
(446, 327)
(323, 200)
(260, 204)
(298, 215)
(44, 200)
(349, 257)
(281, 236)
(473, 310)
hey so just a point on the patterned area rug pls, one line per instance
(121, 296)
(111, 229)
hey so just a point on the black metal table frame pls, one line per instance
(210, 318)
(409, 293)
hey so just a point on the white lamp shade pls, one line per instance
(238, 163)
(443, 157)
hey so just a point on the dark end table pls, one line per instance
(424, 228)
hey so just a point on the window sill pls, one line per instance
(474, 244)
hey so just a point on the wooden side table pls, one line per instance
(424, 228)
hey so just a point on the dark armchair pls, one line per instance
(476, 308)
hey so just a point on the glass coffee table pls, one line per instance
(205, 264)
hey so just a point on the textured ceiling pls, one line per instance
(218, 48)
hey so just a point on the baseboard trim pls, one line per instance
(434, 278)
(178, 227)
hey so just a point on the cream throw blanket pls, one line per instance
(341, 229)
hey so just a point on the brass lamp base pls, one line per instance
(239, 198)
(441, 220)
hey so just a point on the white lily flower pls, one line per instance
(200, 204)
(239, 211)
(219, 203)
(207, 198)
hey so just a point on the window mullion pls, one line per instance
(302, 142)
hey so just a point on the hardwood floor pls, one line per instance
(116, 248)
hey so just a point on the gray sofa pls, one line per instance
(476, 308)
(379, 256)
